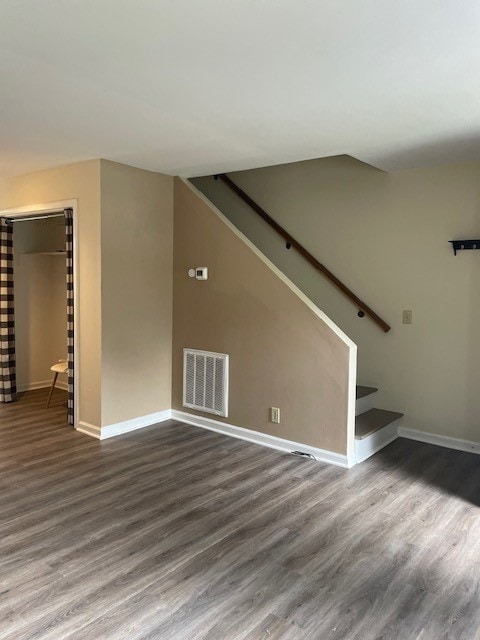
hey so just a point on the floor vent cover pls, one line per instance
(205, 381)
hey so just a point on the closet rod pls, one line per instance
(49, 215)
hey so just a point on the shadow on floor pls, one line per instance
(456, 473)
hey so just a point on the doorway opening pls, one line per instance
(38, 307)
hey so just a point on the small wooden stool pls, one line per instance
(61, 367)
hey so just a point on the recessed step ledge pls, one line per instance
(374, 430)
(373, 420)
(362, 391)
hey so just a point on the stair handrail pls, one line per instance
(363, 308)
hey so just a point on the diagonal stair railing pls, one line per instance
(363, 309)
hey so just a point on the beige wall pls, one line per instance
(137, 239)
(80, 181)
(125, 221)
(40, 300)
(281, 353)
(386, 236)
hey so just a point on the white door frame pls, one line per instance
(44, 209)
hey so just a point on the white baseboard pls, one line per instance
(363, 448)
(89, 429)
(42, 384)
(263, 439)
(256, 437)
(366, 447)
(118, 428)
(442, 441)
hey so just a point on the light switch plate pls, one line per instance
(201, 273)
(407, 316)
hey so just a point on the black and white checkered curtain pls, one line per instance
(8, 384)
(70, 354)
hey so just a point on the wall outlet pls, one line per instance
(407, 317)
(275, 415)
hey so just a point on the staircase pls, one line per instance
(374, 428)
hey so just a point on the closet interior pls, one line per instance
(40, 295)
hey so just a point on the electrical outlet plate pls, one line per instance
(275, 415)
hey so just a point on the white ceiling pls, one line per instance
(197, 87)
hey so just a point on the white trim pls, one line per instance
(266, 440)
(118, 428)
(263, 439)
(53, 207)
(42, 384)
(49, 207)
(352, 399)
(352, 347)
(89, 429)
(366, 447)
(442, 441)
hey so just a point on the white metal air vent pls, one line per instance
(205, 381)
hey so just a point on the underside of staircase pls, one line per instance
(374, 428)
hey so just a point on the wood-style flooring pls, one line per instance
(176, 533)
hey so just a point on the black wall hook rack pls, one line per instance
(461, 245)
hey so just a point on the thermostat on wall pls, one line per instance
(201, 273)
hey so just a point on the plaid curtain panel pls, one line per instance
(8, 385)
(70, 328)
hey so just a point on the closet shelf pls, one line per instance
(45, 253)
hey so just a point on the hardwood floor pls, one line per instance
(173, 532)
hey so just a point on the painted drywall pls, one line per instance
(137, 244)
(40, 301)
(386, 236)
(79, 181)
(281, 353)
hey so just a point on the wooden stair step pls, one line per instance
(373, 420)
(364, 391)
